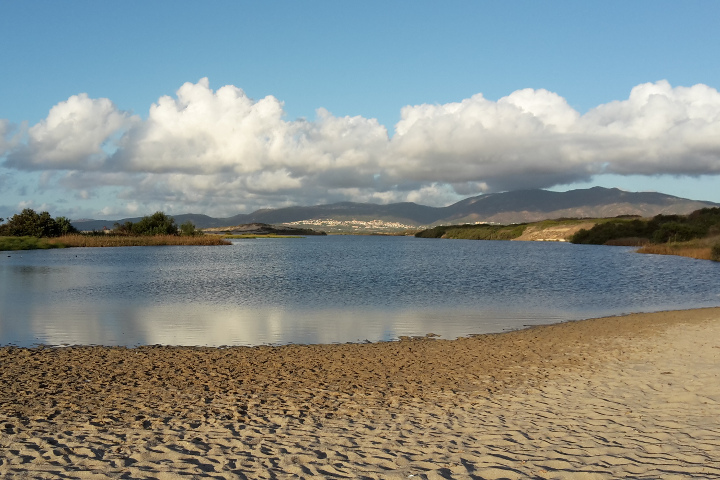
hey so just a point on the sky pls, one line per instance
(119, 109)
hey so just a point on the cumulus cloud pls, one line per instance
(75, 135)
(206, 148)
(516, 142)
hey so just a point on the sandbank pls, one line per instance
(636, 396)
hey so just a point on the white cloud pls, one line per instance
(206, 132)
(516, 142)
(75, 135)
(222, 152)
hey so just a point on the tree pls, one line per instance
(124, 229)
(156, 224)
(64, 226)
(29, 223)
(188, 229)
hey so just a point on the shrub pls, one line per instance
(678, 232)
(659, 229)
(602, 233)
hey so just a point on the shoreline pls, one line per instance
(430, 408)
(430, 336)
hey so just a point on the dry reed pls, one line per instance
(134, 241)
(701, 253)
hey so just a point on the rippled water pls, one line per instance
(330, 289)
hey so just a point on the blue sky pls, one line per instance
(367, 101)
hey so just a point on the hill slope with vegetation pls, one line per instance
(695, 235)
(659, 229)
(558, 230)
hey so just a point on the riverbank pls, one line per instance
(623, 396)
(67, 241)
(700, 249)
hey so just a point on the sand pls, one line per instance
(624, 397)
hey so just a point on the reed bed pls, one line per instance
(701, 253)
(701, 248)
(136, 241)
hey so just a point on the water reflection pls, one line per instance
(212, 326)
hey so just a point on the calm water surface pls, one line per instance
(330, 289)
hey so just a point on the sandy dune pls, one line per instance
(623, 397)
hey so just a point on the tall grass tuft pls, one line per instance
(701, 253)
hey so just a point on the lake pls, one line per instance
(330, 289)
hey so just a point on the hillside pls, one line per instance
(504, 208)
(542, 231)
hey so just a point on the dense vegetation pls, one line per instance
(29, 223)
(134, 240)
(27, 243)
(29, 231)
(659, 229)
(156, 224)
(696, 235)
(474, 232)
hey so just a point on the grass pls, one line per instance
(702, 249)
(26, 243)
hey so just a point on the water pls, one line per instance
(330, 289)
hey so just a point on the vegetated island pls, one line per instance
(262, 230)
(30, 230)
(696, 235)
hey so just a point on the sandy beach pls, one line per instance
(636, 396)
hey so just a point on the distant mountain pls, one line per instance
(596, 202)
(508, 207)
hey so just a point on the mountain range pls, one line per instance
(505, 208)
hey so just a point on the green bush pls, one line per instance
(604, 232)
(678, 232)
